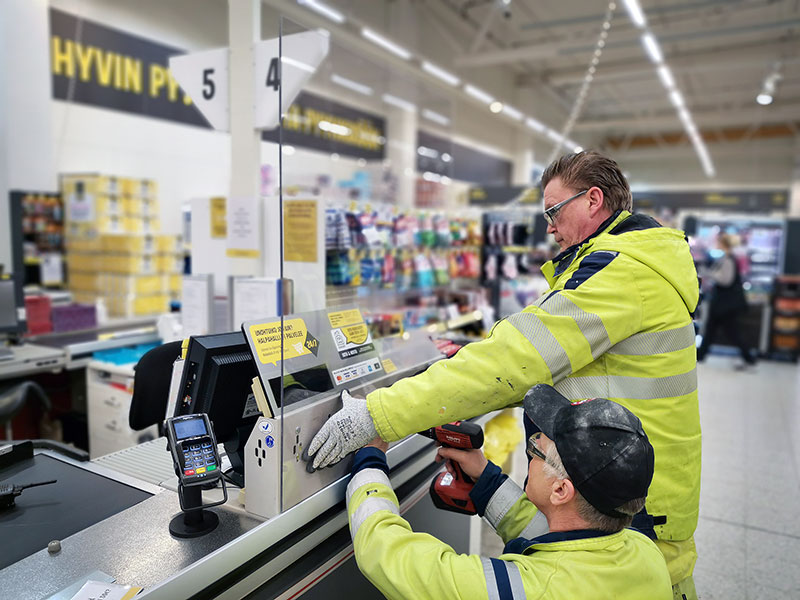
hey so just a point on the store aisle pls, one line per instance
(748, 538)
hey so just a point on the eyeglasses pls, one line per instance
(551, 213)
(533, 448)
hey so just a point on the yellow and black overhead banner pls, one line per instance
(102, 66)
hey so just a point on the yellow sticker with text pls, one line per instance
(388, 365)
(356, 334)
(267, 340)
(343, 318)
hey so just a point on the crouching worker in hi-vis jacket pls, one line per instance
(565, 535)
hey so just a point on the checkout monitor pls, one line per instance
(216, 380)
(11, 307)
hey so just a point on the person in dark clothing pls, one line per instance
(727, 302)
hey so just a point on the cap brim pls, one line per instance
(542, 403)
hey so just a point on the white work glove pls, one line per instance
(346, 431)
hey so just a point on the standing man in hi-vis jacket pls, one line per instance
(616, 323)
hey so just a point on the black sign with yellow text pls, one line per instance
(101, 66)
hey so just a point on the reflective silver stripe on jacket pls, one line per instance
(536, 526)
(656, 342)
(368, 508)
(514, 580)
(363, 477)
(537, 333)
(501, 502)
(634, 388)
(590, 324)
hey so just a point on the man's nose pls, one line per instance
(551, 228)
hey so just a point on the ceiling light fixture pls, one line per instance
(323, 9)
(537, 126)
(770, 83)
(435, 117)
(513, 112)
(496, 106)
(653, 50)
(666, 77)
(478, 94)
(764, 99)
(399, 102)
(440, 73)
(351, 85)
(385, 43)
(635, 13)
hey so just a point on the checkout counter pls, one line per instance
(285, 535)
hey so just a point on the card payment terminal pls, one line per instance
(194, 449)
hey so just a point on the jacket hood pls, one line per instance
(642, 238)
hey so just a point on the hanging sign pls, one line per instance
(204, 77)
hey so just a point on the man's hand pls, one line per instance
(346, 431)
(472, 462)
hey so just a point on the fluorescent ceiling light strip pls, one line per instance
(535, 125)
(440, 73)
(435, 117)
(385, 43)
(351, 85)
(296, 63)
(478, 94)
(635, 13)
(666, 77)
(513, 112)
(554, 135)
(323, 9)
(676, 98)
(653, 50)
(399, 102)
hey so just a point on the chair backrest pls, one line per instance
(151, 381)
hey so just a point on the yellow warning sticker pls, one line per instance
(343, 318)
(267, 340)
(388, 365)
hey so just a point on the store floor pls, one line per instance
(748, 537)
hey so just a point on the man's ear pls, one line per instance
(597, 200)
(562, 491)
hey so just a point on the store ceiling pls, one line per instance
(720, 52)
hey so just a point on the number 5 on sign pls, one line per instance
(204, 78)
(301, 55)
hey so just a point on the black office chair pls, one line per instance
(14, 398)
(151, 381)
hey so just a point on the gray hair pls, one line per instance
(553, 467)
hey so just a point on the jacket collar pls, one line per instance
(563, 260)
(525, 546)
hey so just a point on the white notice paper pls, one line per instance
(254, 298)
(52, 272)
(243, 220)
(196, 304)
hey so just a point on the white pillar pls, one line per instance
(244, 28)
(522, 165)
(401, 133)
(26, 122)
(794, 193)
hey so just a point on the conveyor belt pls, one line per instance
(148, 462)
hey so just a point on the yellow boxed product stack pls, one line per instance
(116, 251)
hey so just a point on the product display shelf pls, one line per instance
(785, 320)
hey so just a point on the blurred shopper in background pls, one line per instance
(726, 303)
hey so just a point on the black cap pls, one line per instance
(602, 445)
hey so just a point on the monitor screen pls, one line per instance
(8, 306)
(189, 428)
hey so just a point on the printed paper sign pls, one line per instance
(243, 219)
(352, 340)
(267, 337)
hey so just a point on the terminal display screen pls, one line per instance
(189, 428)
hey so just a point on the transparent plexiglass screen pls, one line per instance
(379, 249)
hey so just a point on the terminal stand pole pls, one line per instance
(192, 521)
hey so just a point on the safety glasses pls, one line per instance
(533, 448)
(551, 213)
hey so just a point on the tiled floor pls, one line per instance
(748, 537)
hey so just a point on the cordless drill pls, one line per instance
(451, 491)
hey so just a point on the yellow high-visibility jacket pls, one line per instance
(616, 323)
(403, 564)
